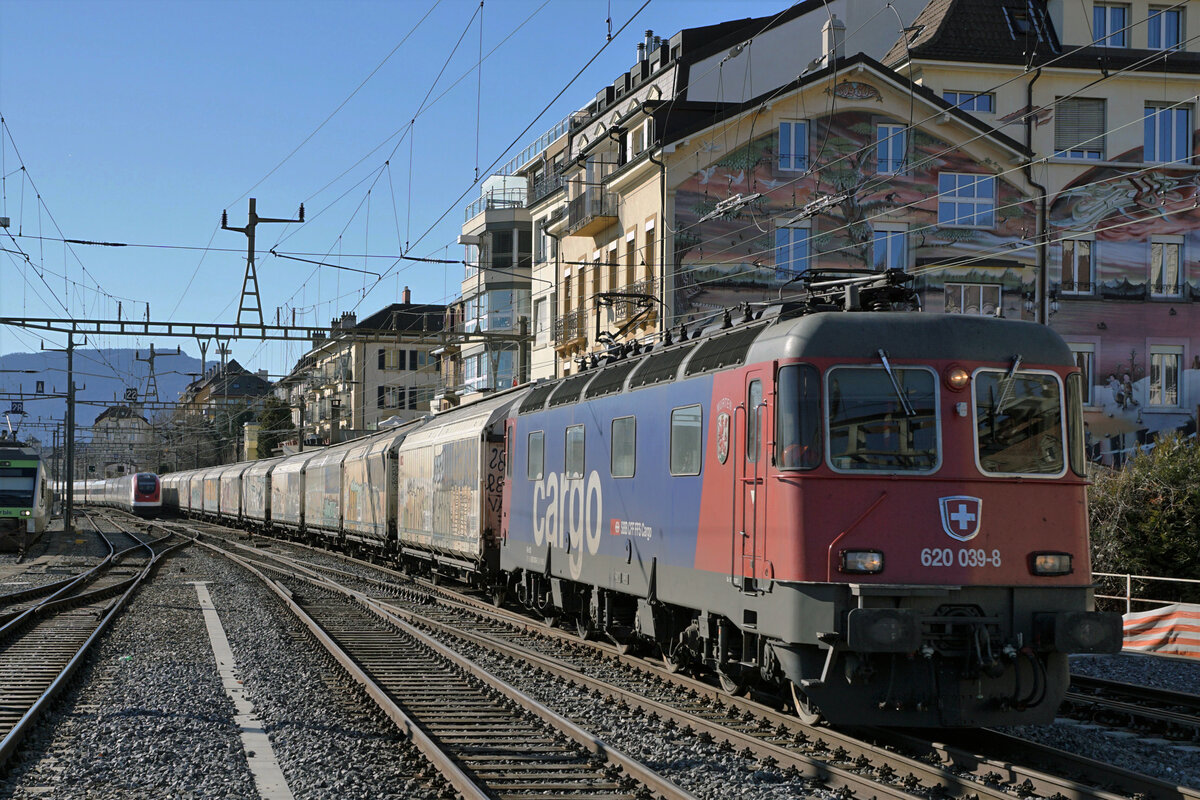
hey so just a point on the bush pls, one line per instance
(1144, 518)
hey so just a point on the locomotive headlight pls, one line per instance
(25, 512)
(1050, 563)
(862, 561)
(956, 378)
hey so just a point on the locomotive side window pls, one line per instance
(574, 454)
(1077, 446)
(1019, 423)
(622, 458)
(535, 456)
(754, 414)
(687, 438)
(798, 418)
(882, 420)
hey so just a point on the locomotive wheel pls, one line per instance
(498, 597)
(582, 628)
(806, 709)
(730, 685)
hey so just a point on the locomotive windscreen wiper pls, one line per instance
(909, 411)
(1007, 384)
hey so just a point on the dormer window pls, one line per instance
(1030, 24)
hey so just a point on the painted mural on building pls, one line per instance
(850, 212)
(1123, 268)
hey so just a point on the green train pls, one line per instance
(25, 496)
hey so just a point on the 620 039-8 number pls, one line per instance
(963, 557)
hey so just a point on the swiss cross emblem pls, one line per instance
(960, 516)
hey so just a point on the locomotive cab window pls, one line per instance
(16, 485)
(574, 453)
(1019, 423)
(535, 457)
(622, 458)
(882, 419)
(798, 418)
(687, 439)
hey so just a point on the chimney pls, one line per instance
(649, 44)
(833, 38)
(407, 296)
(641, 52)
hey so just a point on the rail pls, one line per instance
(1129, 579)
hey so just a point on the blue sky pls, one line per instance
(138, 122)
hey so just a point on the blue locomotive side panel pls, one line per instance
(586, 525)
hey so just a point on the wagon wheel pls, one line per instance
(550, 620)
(498, 596)
(671, 661)
(806, 709)
(583, 627)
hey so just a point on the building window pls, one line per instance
(1079, 128)
(535, 456)
(1076, 266)
(648, 255)
(390, 397)
(965, 199)
(984, 103)
(1085, 358)
(1168, 133)
(1166, 257)
(573, 458)
(686, 440)
(793, 146)
(1164, 28)
(791, 252)
(391, 359)
(889, 148)
(1109, 22)
(1165, 363)
(541, 321)
(623, 457)
(889, 249)
(973, 298)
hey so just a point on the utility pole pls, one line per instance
(69, 479)
(250, 283)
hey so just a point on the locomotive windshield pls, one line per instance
(1019, 423)
(16, 485)
(145, 483)
(869, 427)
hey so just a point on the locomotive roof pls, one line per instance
(911, 335)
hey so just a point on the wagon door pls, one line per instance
(749, 518)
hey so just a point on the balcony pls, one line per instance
(624, 309)
(591, 212)
(569, 328)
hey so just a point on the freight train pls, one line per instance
(879, 515)
(138, 493)
(25, 496)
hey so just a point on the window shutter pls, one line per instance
(1079, 121)
(381, 357)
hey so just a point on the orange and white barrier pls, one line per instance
(1170, 630)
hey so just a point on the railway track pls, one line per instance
(1146, 709)
(867, 762)
(43, 643)
(486, 738)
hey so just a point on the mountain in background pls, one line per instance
(102, 377)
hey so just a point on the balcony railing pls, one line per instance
(546, 186)
(624, 309)
(569, 326)
(590, 212)
(497, 198)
